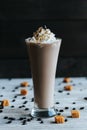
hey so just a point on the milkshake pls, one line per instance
(43, 50)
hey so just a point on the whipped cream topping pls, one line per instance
(43, 35)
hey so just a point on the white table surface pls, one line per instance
(76, 95)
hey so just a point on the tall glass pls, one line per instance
(43, 60)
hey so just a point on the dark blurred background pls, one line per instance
(20, 18)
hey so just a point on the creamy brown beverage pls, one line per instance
(43, 50)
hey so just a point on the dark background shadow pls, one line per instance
(66, 18)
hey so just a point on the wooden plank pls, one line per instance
(76, 95)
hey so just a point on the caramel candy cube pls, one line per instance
(5, 103)
(75, 114)
(67, 80)
(23, 92)
(59, 119)
(24, 84)
(68, 87)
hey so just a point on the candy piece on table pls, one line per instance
(75, 113)
(5, 103)
(23, 92)
(59, 119)
(68, 87)
(24, 84)
(67, 80)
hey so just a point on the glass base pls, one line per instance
(50, 112)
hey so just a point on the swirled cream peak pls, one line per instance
(43, 35)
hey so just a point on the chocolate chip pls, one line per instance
(68, 93)
(66, 120)
(13, 100)
(26, 109)
(15, 96)
(20, 106)
(85, 98)
(66, 108)
(38, 119)
(23, 106)
(61, 110)
(57, 103)
(1, 95)
(32, 100)
(81, 108)
(3, 87)
(29, 119)
(41, 122)
(1, 106)
(25, 102)
(23, 97)
(9, 122)
(13, 90)
(58, 113)
(73, 102)
(56, 110)
(74, 108)
(21, 118)
(11, 118)
(12, 106)
(32, 118)
(24, 122)
(16, 87)
(60, 91)
(1, 111)
(6, 117)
